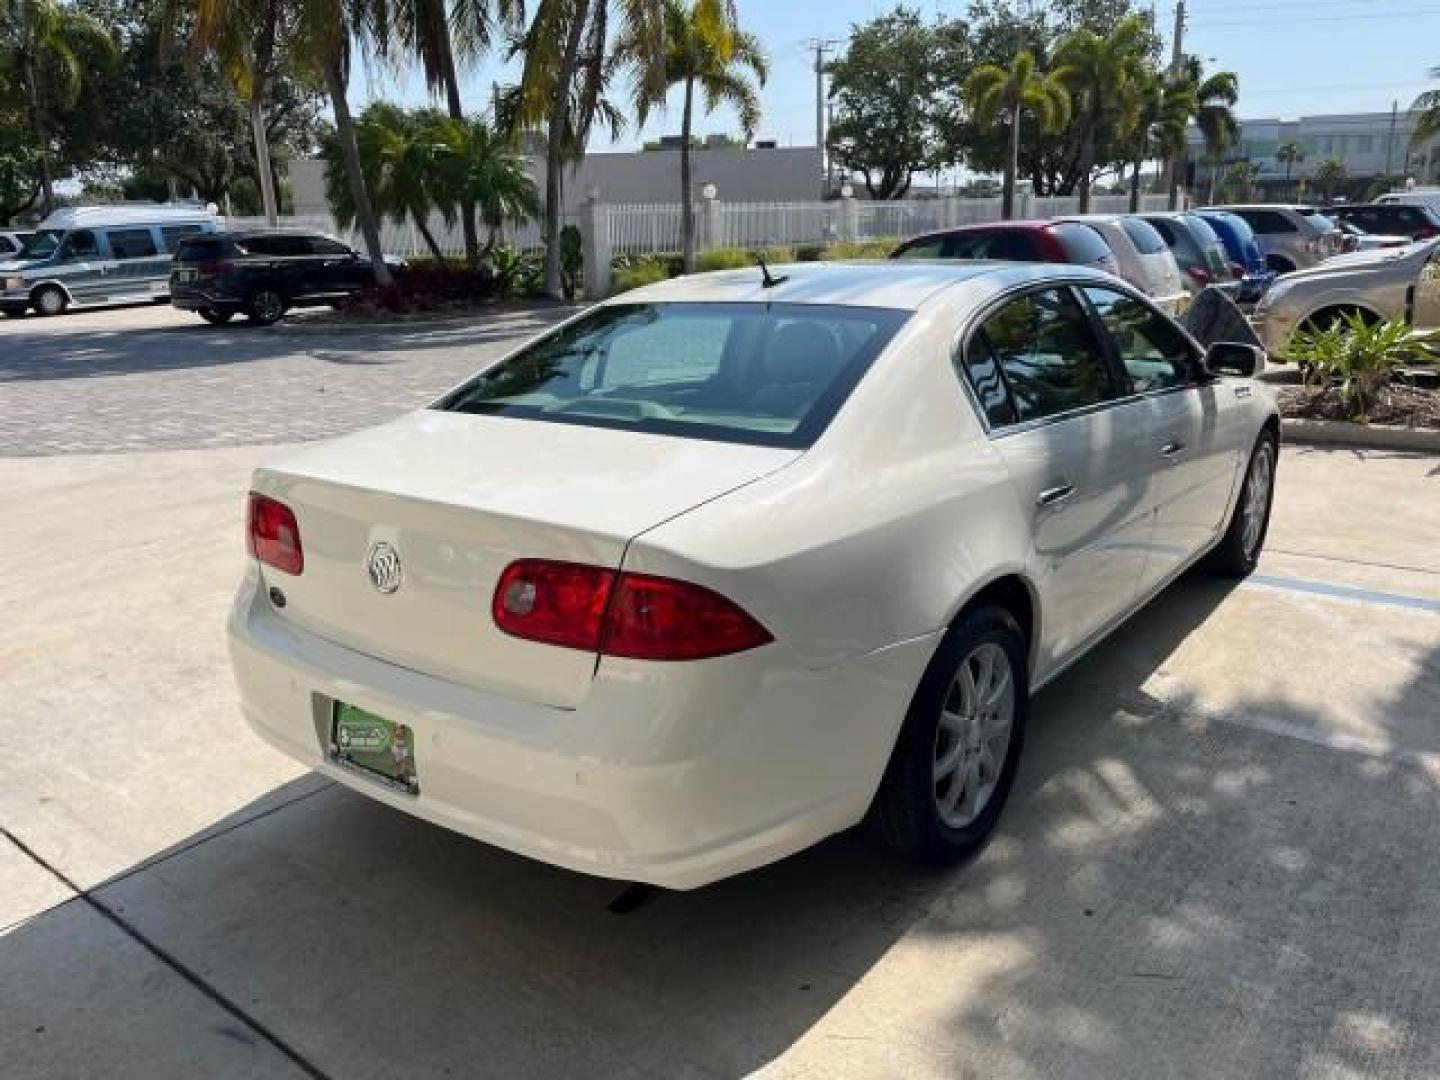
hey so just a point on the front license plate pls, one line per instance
(370, 744)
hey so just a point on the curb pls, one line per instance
(439, 322)
(1372, 436)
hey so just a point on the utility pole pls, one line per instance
(1390, 139)
(822, 46)
(1170, 180)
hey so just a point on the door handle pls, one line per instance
(1171, 448)
(1055, 496)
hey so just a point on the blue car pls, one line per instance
(1244, 251)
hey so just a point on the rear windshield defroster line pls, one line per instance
(766, 374)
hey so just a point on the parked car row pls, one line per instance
(122, 254)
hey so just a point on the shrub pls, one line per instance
(516, 273)
(427, 286)
(860, 249)
(809, 252)
(723, 259)
(1362, 356)
(637, 274)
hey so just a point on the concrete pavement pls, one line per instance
(1219, 860)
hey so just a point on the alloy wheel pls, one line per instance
(973, 735)
(1257, 498)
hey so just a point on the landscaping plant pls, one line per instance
(1361, 357)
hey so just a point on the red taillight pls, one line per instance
(273, 535)
(1199, 275)
(620, 614)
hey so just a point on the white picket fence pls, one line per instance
(643, 228)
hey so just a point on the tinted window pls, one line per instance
(921, 249)
(1267, 222)
(1166, 229)
(982, 371)
(1082, 244)
(7, 246)
(80, 245)
(1143, 235)
(1154, 352)
(1048, 354)
(131, 243)
(323, 245)
(769, 374)
(1317, 221)
(1006, 245)
(200, 251)
(276, 245)
(173, 234)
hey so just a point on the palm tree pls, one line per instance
(563, 83)
(1160, 110)
(1099, 71)
(1289, 154)
(1425, 113)
(1328, 173)
(492, 177)
(44, 49)
(703, 48)
(1240, 180)
(1215, 97)
(992, 90)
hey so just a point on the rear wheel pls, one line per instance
(1239, 550)
(955, 760)
(266, 306)
(216, 318)
(50, 300)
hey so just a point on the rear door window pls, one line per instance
(80, 244)
(1143, 235)
(921, 249)
(1049, 355)
(766, 374)
(1082, 244)
(323, 245)
(131, 243)
(979, 367)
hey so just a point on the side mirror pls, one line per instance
(1234, 358)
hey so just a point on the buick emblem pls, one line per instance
(383, 566)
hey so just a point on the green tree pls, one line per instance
(47, 52)
(1329, 174)
(1289, 154)
(491, 177)
(566, 71)
(19, 171)
(994, 90)
(1215, 96)
(704, 50)
(884, 90)
(1240, 180)
(1425, 114)
(1159, 111)
(1100, 71)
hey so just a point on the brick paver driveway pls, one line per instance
(153, 378)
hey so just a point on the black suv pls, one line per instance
(263, 273)
(1391, 219)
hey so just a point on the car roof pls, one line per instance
(1297, 208)
(905, 285)
(99, 217)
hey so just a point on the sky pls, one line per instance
(1294, 58)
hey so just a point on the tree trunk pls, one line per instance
(359, 193)
(1012, 169)
(457, 112)
(687, 192)
(1135, 186)
(1175, 170)
(1087, 166)
(262, 156)
(428, 237)
(37, 131)
(555, 149)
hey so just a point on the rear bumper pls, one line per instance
(189, 298)
(677, 775)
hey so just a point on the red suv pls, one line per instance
(1016, 241)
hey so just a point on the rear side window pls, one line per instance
(173, 234)
(1082, 244)
(766, 374)
(921, 249)
(1143, 235)
(323, 245)
(195, 251)
(981, 370)
(131, 243)
(279, 246)
(1048, 353)
(1005, 245)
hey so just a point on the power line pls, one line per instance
(1298, 20)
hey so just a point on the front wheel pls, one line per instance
(216, 318)
(50, 300)
(1239, 550)
(955, 760)
(266, 307)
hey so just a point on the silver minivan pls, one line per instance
(98, 255)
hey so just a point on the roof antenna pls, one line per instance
(767, 279)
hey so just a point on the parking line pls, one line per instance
(1345, 592)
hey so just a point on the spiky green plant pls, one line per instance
(1362, 356)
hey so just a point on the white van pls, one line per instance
(98, 255)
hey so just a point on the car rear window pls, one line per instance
(766, 374)
(199, 250)
(1082, 244)
(1143, 235)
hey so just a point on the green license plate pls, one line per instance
(371, 744)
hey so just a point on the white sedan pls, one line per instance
(726, 565)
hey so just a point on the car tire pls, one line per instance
(1239, 549)
(49, 300)
(958, 716)
(265, 307)
(216, 318)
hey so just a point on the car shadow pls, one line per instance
(1156, 897)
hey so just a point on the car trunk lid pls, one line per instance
(458, 498)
